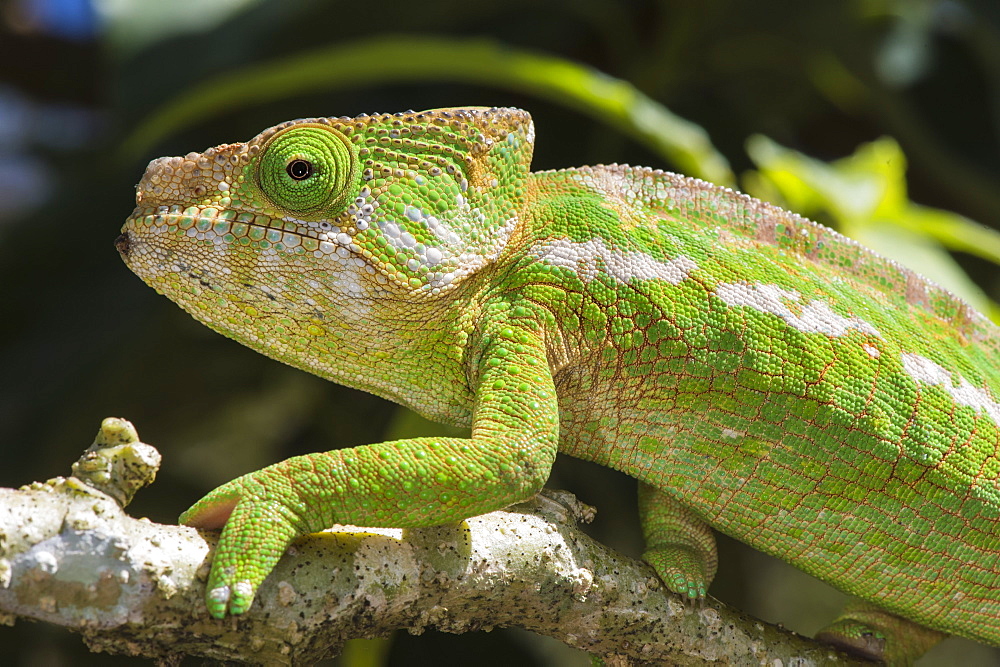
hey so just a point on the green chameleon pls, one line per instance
(759, 374)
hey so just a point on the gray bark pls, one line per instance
(69, 555)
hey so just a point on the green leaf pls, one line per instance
(864, 195)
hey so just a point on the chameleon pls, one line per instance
(758, 373)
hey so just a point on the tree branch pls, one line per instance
(69, 555)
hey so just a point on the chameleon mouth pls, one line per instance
(144, 257)
(123, 244)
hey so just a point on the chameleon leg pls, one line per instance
(679, 545)
(401, 483)
(869, 631)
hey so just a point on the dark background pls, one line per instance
(81, 338)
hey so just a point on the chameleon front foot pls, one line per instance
(255, 533)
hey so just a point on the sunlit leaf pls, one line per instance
(864, 195)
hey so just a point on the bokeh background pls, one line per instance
(880, 117)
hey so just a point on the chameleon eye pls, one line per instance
(307, 169)
(299, 170)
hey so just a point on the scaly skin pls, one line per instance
(758, 373)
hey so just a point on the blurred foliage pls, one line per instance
(864, 196)
(389, 60)
(85, 88)
(133, 25)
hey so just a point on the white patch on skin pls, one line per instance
(434, 225)
(925, 371)
(422, 255)
(730, 433)
(625, 266)
(457, 255)
(814, 317)
(872, 351)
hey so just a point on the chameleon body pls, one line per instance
(760, 374)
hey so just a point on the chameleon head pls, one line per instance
(287, 241)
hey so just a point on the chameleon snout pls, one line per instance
(199, 178)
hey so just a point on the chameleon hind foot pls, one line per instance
(679, 545)
(871, 632)
(680, 569)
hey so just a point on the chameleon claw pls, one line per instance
(233, 600)
(242, 598)
(217, 601)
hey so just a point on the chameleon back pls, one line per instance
(792, 388)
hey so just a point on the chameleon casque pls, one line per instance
(760, 374)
